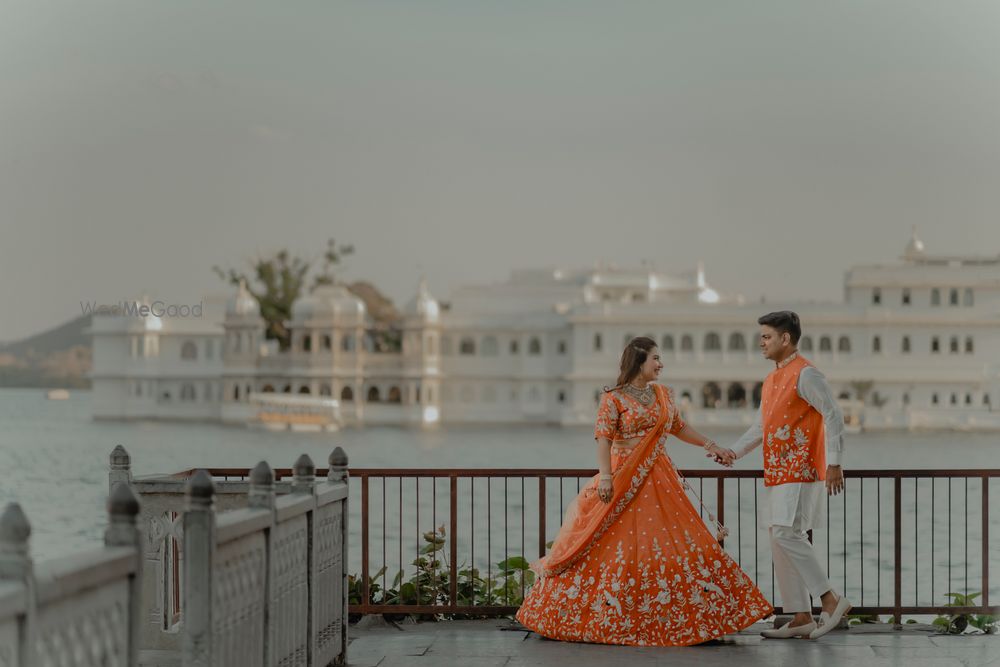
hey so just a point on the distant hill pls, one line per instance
(58, 357)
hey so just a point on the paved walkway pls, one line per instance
(493, 643)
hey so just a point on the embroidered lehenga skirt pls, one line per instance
(650, 574)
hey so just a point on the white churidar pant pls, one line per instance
(792, 510)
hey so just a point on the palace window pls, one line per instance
(953, 297)
(953, 345)
(934, 399)
(825, 344)
(667, 344)
(687, 343)
(844, 344)
(935, 297)
(327, 342)
(467, 347)
(806, 343)
(906, 399)
(445, 345)
(562, 396)
(712, 342)
(325, 390)
(968, 399)
(737, 342)
(307, 343)
(534, 346)
(347, 343)
(189, 350)
(877, 345)
(395, 395)
(513, 346)
(876, 296)
(954, 398)
(967, 299)
(561, 347)
(373, 395)
(935, 344)
(906, 345)
(187, 392)
(968, 345)
(597, 342)
(209, 349)
(906, 296)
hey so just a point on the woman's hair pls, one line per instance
(633, 357)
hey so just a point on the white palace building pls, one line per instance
(915, 344)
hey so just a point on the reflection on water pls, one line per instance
(56, 458)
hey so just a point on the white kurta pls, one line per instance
(800, 503)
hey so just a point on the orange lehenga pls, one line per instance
(642, 570)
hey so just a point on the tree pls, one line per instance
(277, 281)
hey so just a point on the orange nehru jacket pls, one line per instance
(794, 439)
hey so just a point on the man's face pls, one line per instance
(773, 345)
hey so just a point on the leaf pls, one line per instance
(514, 563)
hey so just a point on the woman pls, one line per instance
(633, 562)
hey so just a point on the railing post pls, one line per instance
(261, 496)
(304, 475)
(123, 531)
(15, 565)
(541, 516)
(453, 550)
(338, 473)
(897, 507)
(986, 543)
(304, 483)
(199, 550)
(120, 469)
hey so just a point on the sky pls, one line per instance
(780, 142)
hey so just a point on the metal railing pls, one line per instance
(875, 529)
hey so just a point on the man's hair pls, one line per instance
(783, 321)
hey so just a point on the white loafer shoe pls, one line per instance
(833, 620)
(787, 631)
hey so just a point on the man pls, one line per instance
(801, 427)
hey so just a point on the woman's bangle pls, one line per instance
(708, 445)
(604, 477)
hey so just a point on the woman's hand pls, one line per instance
(604, 490)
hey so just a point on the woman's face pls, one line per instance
(650, 369)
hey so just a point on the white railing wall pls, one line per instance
(83, 609)
(266, 584)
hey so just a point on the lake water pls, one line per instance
(55, 459)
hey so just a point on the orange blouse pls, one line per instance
(622, 417)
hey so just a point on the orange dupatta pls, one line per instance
(587, 518)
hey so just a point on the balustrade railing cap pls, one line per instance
(304, 466)
(120, 456)
(338, 457)
(14, 526)
(201, 485)
(122, 501)
(262, 475)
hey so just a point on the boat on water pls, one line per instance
(57, 394)
(285, 412)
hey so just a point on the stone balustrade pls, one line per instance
(82, 609)
(194, 571)
(266, 584)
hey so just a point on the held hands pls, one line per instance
(834, 480)
(720, 455)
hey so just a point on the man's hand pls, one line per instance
(834, 480)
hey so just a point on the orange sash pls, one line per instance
(587, 518)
